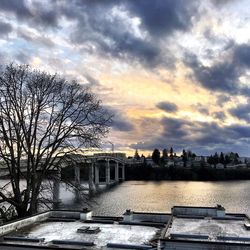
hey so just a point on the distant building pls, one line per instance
(219, 166)
(200, 158)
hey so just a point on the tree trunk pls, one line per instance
(22, 211)
(33, 203)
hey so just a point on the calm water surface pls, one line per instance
(161, 196)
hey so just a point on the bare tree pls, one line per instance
(43, 118)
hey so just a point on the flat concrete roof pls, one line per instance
(109, 233)
(185, 228)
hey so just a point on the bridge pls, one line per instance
(111, 165)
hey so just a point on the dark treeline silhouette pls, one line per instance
(143, 172)
(224, 159)
(188, 166)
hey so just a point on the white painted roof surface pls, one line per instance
(110, 233)
(208, 226)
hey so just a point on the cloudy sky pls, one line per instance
(174, 72)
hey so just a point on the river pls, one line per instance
(162, 195)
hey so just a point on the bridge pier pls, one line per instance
(77, 182)
(56, 189)
(97, 178)
(107, 170)
(92, 187)
(114, 172)
(117, 172)
(123, 172)
(77, 176)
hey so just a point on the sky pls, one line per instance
(174, 73)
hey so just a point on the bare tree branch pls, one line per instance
(43, 119)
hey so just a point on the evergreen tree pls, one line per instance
(184, 157)
(189, 154)
(227, 160)
(210, 160)
(136, 156)
(222, 158)
(236, 158)
(164, 153)
(193, 155)
(171, 153)
(216, 159)
(156, 156)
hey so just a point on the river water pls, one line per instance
(162, 195)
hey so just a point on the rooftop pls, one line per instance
(78, 229)
(134, 230)
(109, 233)
(208, 224)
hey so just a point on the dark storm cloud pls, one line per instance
(17, 7)
(168, 107)
(95, 85)
(41, 14)
(223, 76)
(174, 128)
(242, 55)
(202, 136)
(91, 81)
(219, 77)
(112, 35)
(119, 120)
(201, 109)
(219, 3)
(222, 99)
(5, 28)
(241, 112)
(163, 17)
(121, 123)
(36, 39)
(98, 25)
(23, 57)
(220, 115)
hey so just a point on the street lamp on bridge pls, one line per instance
(113, 146)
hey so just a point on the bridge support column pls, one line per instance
(117, 172)
(92, 187)
(77, 176)
(56, 189)
(97, 179)
(107, 169)
(77, 182)
(123, 172)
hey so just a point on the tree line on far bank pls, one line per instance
(223, 159)
(188, 155)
